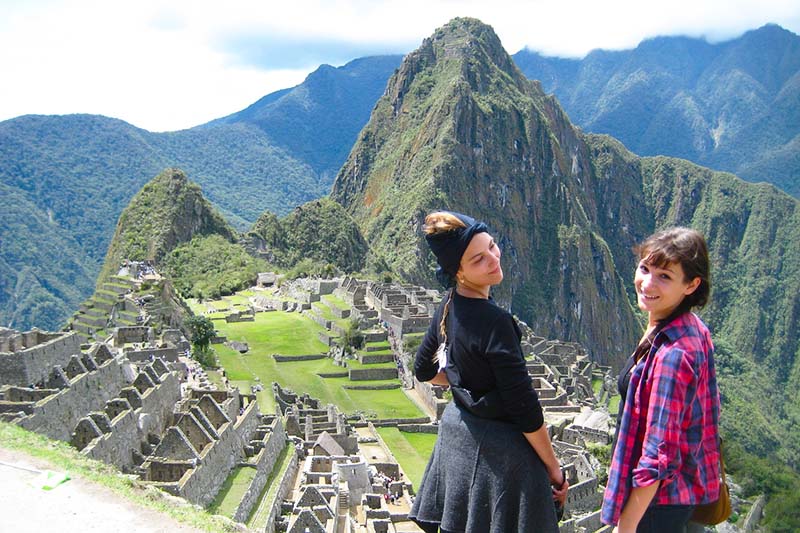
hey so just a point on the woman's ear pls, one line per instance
(692, 286)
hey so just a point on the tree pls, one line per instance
(353, 337)
(202, 331)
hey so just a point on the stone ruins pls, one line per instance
(122, 388)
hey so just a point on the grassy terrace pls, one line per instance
(613, 404)
(353, 363)
(413, 448)
(294, 334)
(258, 517)
(334, 301)
(327, 313)
(232, 491)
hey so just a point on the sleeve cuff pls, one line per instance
(533, 423)
(650, 470)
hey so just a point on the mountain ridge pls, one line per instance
(80, 170)
(728, 105)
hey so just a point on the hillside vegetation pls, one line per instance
(78, 172)
(320, 232)
(168, 211)
(209, 266)
(729, 106)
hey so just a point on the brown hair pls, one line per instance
(686, 247)
(435, 223)
(441, 222)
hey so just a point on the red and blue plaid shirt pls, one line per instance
(669, 429)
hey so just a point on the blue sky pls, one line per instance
(167, 65)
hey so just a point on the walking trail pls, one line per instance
(75, 505)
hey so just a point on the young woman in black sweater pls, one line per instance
(493, 468)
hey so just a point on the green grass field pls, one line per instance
(335, 301)
(354, 363)
(258, 516)
(412, 450)
(277, 332)
(295, 334)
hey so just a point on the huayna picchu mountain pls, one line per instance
(461, 128)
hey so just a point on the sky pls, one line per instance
(166, 65)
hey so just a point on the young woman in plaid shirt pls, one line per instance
(666, 456)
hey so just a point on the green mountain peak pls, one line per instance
(167, 211)
(460, 128)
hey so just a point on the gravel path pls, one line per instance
(76, 505)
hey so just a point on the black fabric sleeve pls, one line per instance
(504, 354)
(424, 367)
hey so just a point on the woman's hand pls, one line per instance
(558, 480)
(560, 493)
(440, 379)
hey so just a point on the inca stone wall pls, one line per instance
(28, 358)
(132, 427)
(284, 488)
(57, 415)
(265, 461)
(215, 452)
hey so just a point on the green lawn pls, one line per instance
(277, 332)
(335, 301)
(387, 351)
(613, 405)
(354, 363)
(412, 450)
(196, 307)
(295, 334)
(232, 491)
(327, 313)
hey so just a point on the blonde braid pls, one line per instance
(443, 326)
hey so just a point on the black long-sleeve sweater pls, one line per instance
(484, 346)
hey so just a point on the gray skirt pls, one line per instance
(484, 476)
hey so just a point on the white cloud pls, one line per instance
(171, 65)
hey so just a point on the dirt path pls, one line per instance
(76, 505)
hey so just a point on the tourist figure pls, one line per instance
(666, 457)
(493, 468)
